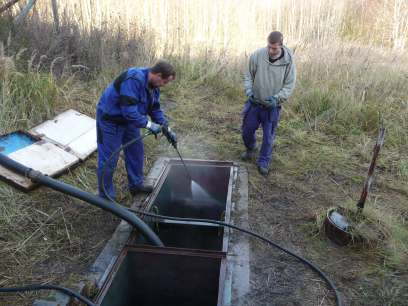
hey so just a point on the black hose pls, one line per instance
(66, 291)
(270, 242)
(117, 210)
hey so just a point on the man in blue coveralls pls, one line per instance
(269, 82)
(122, 111)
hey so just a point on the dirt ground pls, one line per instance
(280, 214)
(283, 209)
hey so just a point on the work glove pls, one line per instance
(271, 102)
(251, 100)
(170, 135)
(249, 93)
(250, 96)
(153, 127)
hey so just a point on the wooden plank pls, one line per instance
(43, 156)
(85, 145)
(64, 128)
(72, 131)
(65, 140)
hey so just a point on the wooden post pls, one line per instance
(55, 15)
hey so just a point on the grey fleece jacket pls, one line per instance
(265, 79)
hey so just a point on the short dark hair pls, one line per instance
(275, 37)
(163, 67)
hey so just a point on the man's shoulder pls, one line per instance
(288, 54)
(259, 52)
(139, 73)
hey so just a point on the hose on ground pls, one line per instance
(64, 290)
(97, 201)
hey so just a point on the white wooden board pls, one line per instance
(85, 145)
(72, 131)
(42, 156)
(65, 140)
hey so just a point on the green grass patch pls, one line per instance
(26, 98)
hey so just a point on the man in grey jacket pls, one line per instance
(268, 83)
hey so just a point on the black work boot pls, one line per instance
(263, 170)
(248, 155)
(141, 189)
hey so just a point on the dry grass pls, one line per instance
(324, 139)
(183, 27)
(101, 34)
(27, 97)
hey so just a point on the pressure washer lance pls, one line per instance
(171, 137)
(197, 192)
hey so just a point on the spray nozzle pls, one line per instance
(170, 135)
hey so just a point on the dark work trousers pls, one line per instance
(253, 117)
(110, 136)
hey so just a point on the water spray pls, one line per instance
(196, 190)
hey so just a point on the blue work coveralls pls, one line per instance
(121, 112)
(255, 115)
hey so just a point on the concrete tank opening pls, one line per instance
(190, 269)
(177, 196)
(147, 276)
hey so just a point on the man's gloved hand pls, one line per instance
(251, 99)
(250, 95)
(170, 135)
(153, 127)
(271, 102)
